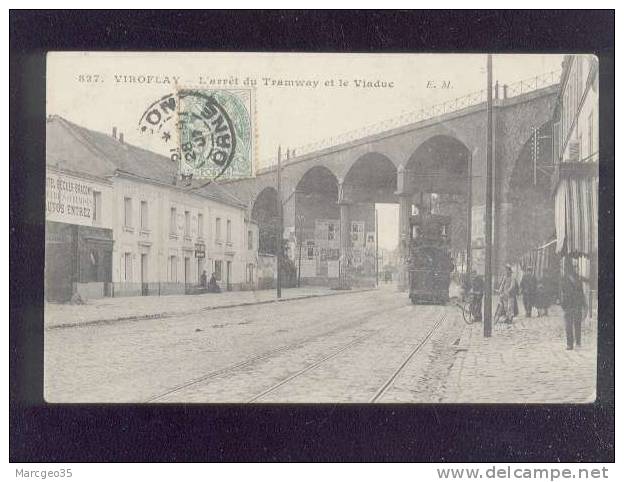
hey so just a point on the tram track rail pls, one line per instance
(390, 381)
(312, 366)
(266, 355)
(347, 347)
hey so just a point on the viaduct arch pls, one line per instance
(397, 165)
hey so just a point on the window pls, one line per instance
(331, 231)
(217, 269)
(187, 223)
(173, 269)
(200, 225)
(250, 240)
(173, 221)
(228, 231)
(144, 220)
(127, 266)
(218, 229)
(97, 207)
(357, 232)
(128, 212)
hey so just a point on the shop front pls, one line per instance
(576, 219)
(78, 261)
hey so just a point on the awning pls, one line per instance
(576, 215)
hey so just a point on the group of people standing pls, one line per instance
(539, 293)
(211, 286)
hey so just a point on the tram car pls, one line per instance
(429, 261)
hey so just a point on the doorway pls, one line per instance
(187, 270)
(144, 284)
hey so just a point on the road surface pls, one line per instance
(356, 348)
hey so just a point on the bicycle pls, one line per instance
(500, 314)
(467, 310)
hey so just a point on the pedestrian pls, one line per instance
(508, 290)
(551, 290)
(203, 279)
(573, 304)
(528, 288)
(477, 288)
(213, 286)
(540, 301)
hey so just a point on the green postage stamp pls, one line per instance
(214, 131)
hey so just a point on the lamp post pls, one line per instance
(280, 233)
(487, 308)
(469, 222)
(300, 221)
(376, 249)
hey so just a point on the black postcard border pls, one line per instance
(421, 433)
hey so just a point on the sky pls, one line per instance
(99, 90)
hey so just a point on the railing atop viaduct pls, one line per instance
(503, 91)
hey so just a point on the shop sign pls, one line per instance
(200, 250)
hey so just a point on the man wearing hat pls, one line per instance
(573, 303)
(528, 288)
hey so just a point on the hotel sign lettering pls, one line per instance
(68, 200)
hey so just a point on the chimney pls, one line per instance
(114, 132)
(121, 137)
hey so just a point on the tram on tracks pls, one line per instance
(429, 261)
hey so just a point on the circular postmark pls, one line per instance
(207, 132)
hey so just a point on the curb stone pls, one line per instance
(165, 314)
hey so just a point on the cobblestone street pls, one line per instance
(524, 363)
(353, 347)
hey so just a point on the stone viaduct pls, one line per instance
(397, 165)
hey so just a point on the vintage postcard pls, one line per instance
(321, 228)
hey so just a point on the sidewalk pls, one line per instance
(524, 363)
(106, 310)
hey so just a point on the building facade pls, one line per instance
(314, 243)
(118, 224)
(575, 181)
(79, 235)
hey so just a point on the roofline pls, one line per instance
(120, 172)
(91, 177)
(175, 187)
(71, 127)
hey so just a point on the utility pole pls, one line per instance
(280, 233)
(469, 221)
(376, 250)
(300, 220)
(487, 308)
(536, 139)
